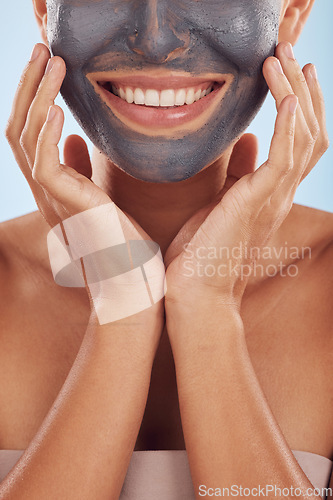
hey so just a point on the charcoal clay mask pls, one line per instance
(192, 67)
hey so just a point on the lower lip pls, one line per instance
(160, 117)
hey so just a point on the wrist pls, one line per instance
(139, 332)
(202, 300)
(200, 325)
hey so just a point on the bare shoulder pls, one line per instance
(25, 274)
(311, 227)
(30, 300)
(25, 271)
(304, 247)
(314, 229)
(23, 244)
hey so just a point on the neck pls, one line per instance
(160, 209)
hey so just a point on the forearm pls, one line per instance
(231, 435)
(83, 448)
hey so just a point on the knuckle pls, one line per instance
(324, 143)
(24, 139)
(321, 101)
(38, 175)
(315, 130)
(22, 80)
(46, 90)
(35, 173)
(300, 78)
(10, 133)
(307, 139)
(41, 141)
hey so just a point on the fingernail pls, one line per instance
(49, 66)
(35, 53)
(288, 50)
(51, 113)
(278, 67)
(313, 72)
(293, 105)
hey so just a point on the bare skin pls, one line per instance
(33, 374)
(268, 310)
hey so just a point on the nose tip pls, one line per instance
(156, 47)
(156, 33)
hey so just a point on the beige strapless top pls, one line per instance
(165, 474)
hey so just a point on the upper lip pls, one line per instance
(173, 80)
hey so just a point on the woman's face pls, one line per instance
(163, 54)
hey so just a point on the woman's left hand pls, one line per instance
(255, 206)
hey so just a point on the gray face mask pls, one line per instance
(221, 40)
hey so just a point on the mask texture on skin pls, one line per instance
(228, 37)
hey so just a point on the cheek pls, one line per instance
(244, 32)
(78, 30)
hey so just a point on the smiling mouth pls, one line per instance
(166, 98)
(157, 105)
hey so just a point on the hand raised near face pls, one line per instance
(33, 132)
(256, 201)
(83, 217)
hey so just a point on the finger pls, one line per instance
(26, 90)
(76, 155)
(269, 176)
(244, 156)
(69, 188)
(316, 94)
(47, 92)
(280, 88)
(25, 93)
(277, 81)
(24, 96)
(297, 80)
(322, 142)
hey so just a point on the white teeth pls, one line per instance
(139, 96)
(197, 95)
(190, 97)
(164, 98)
(167, 98)
(129, 95)
(180, 97)
(152, 98)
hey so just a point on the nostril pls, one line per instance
(157, 43)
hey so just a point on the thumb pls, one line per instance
(76, 155)
(244, 156)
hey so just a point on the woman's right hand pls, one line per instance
(59, 190)
(34, 130)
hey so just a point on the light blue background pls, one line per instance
(19, 33)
